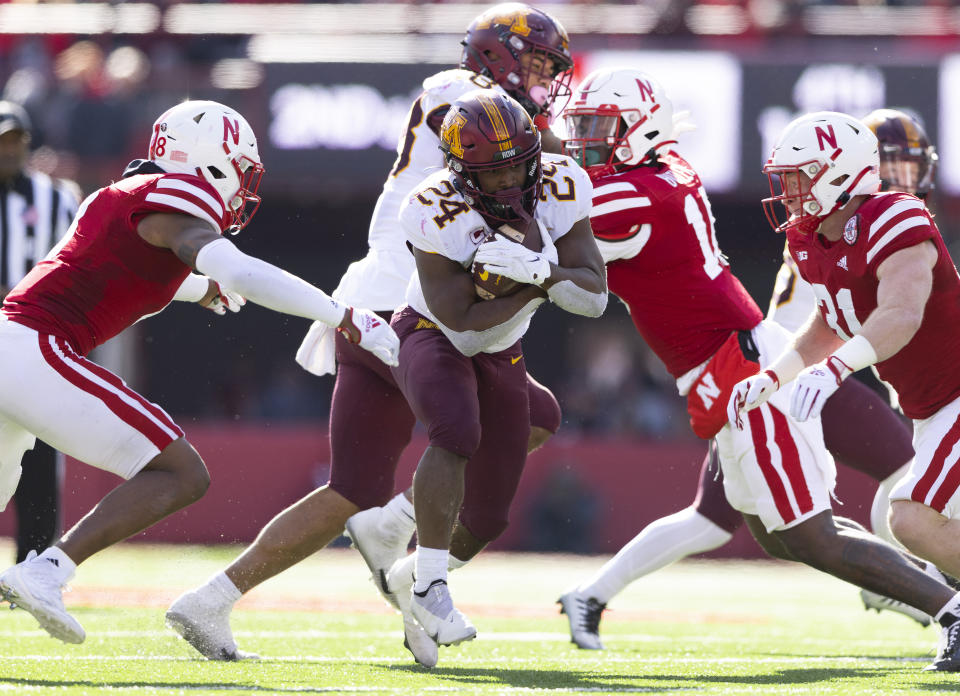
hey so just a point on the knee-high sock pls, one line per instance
(659, 544)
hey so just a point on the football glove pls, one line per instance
(749, 393)
(225, 299)
(513, 260)
(814, 385)
(372, 333)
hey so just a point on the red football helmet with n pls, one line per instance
(908, 160)
(216, 143)
(513, 44)
(485, 130)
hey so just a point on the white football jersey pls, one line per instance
(379, 280)
(436, 219)
(793, 300)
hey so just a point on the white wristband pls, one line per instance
(857, 353)
(193, 288)
(787, 366)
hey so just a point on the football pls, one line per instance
(489, 285)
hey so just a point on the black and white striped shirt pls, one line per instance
(35, 213)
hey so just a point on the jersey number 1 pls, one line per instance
(701, 220)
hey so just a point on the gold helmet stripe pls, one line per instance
(496, 120)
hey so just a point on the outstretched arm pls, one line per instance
(199, 246)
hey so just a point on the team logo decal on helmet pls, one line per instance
(821, 161)
(216, 143)
(485, 131)
(524, 50)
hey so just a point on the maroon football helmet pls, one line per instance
(485, 131)
(495, 46)
(907, 159)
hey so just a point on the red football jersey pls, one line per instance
(105, 276)
(678, 286)
(844, 279)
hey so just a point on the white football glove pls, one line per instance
(225, 299)
(814, 385)
(749, 393)
(513, 260)
(372, 333)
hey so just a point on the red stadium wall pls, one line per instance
(577, 494)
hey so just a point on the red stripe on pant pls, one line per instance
(759, 433)
(952, 479)
(130, 415)
(791, 461)
(103, 373)
(923, 487)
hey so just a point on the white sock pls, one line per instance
(934, 572)
(659, 544)
(880, 510)
(431, 565)
(63, 565)
(952, 608)
(223, 587)
(398, 517)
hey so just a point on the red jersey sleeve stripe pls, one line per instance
(897, 208)
(616, 187)
(212, 201)
(890, 234)
(182, 205)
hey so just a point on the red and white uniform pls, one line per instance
(101, 279)
(843, 275)
(656, 232)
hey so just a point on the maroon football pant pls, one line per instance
(860, 430)
(476, 407)
(371, 424)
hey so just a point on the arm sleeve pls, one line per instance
(267, 285)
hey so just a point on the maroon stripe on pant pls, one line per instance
(136, 419)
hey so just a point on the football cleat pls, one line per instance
(445, 624)
(415, 639)
(205, 624)
(379, 552)
(583, 613)
(872, 600)
(948, 651)
(33, 585)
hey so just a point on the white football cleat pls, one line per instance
(872, 600)
(205, 624)
(378, 550)
(444, 623)
(34, 586)
(583, 613)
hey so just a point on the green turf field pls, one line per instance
(704, 627)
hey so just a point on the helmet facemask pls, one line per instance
(507, 205)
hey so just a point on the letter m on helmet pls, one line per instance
(231, 128)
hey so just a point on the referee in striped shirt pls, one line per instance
(35, 212)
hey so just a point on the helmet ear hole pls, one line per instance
(216, 173)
